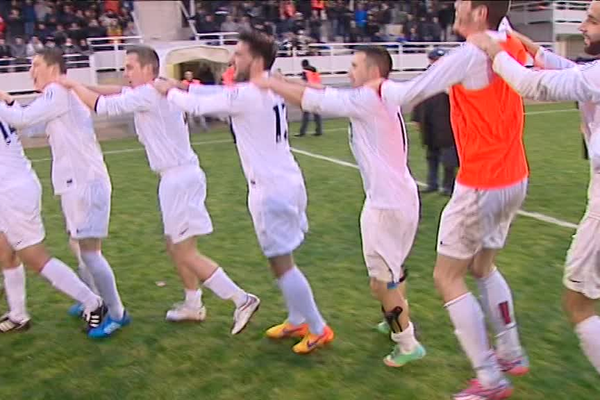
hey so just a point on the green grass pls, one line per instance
(155, 360)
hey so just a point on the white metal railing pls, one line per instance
(549, 11)
(109, 51)
(23, 64)
(217, 38)
(335, 58)
(190, 20)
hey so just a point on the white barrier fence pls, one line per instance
(109, 52)
(559, 12)
(16, 78)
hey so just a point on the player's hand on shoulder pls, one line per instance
(4, 96)
(164, 85)
(485, 42)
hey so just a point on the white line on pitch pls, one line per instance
(533, 215)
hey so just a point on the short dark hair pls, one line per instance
(380, 57)
(305, 63)
(53, 56)
(497, 9)
(260, 45)
(146, 56)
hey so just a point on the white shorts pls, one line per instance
(20, 214)
(387, 238)
(582, 270)
(181, 194)
(87, 210)
(476, 219)
(279, 217)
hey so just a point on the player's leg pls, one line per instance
(582, 282)
(192, 308)
(16, 319)
(26, 233)
(104, 277)
(387, 238)
(459, 240)
(82, 269)
(37, 259)
(498, 208)
(582, 313)
(186, 255)
(299, 298)
(185, 217)
(498, 305)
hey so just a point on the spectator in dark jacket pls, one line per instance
(433, 118)
(311, 76)
(15, 24)
(4, 49)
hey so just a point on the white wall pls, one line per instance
(159, 20)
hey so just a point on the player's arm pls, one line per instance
(105, 90)
(549, 60)
(573, 84)
(446, 72)
(224, 103)
(203, 90)
(291, 92)
(51, 104)
(336, 102)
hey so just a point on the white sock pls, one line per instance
(14, 284)
(589, 337)
(406, 339)
(222, 285)
(104, 278)
(298, 294)
(469, 327)
(193, 298)
(497, 302)
(86, 276)
(64, 279)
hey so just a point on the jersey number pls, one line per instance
(7, 132)
(280, 122)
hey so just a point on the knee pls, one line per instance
(9, 260)
(578, 307)
(445, 278)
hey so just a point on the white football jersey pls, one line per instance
(76, 154)
(466, 65)
(378, 140)
(14, 165)
(564, 81)
(259, 124)
(160, 126)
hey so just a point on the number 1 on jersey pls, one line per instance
(280, 122)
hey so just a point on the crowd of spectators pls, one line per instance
(296, 23)
(29, 25)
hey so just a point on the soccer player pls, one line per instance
(21, 239)
(487, 120)
(162, 130)
(79, 175)
(570, 82)
(390, 214)
(276, 196)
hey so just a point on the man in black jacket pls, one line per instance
(433, 118)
